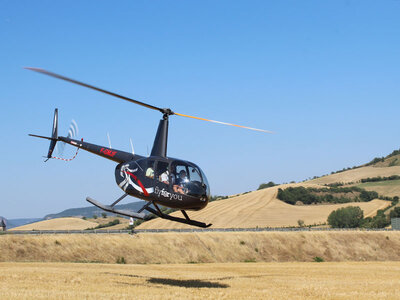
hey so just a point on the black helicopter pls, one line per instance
(157, 179)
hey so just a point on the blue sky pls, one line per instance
(323, 75)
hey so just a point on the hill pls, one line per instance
(355, 175)
(89, 211)
(59, 224)
(390, 160)
(263, 209)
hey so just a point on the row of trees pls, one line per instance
(379, 178)
(291, 195)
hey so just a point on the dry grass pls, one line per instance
(59, 224)
(203, 247)
(371, 280)
(262, 209)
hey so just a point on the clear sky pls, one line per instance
(323, 75)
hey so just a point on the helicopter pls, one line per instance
(158, 179)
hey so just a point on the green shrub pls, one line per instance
(318, 259)
(121, 260)
(346, 217)
(266, 185)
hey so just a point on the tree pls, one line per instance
(346, 217)
(301, 223)
(266, 185)
(94, 216)
(395, 213)
(104, 215)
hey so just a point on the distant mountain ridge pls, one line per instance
(89, 211)
(11, 223)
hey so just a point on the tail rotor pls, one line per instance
(73, 131)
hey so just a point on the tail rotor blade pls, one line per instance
(73, 129)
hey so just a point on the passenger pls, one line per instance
(150, 172)
(164, 177)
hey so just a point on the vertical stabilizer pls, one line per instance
(160, 142)
(54, 134)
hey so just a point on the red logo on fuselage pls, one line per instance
(108, 152)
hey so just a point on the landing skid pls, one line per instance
(109, 208)
(177, 219)
(140, 215)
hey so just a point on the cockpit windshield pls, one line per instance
(186, 179)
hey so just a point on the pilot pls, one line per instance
(180, 182)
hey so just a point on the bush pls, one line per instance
(104, 215)
(379, 221)
(121, 260)
(318, 259)
(111, 223)
(301, 223)
(266, 185)
(94, 216)
(395, 213)
(346, 217)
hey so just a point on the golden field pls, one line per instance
(203, 247)
(339, 280)
(263, 209)
(389, 188)
(59, 224)
(74, 223)
(357, 174)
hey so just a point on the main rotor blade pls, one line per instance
(224, 123)
(93, 88)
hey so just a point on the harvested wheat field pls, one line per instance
(59, 224)
(356, 175)
(203, 247)
(389, 188)
(263, 209)
(345, 280)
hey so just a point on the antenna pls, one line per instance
(109, 140)
(133, 151)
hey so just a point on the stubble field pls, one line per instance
(334, 280)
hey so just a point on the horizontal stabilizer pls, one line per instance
(43, 137)
(123, 212)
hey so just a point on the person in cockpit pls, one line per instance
(179, 186)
